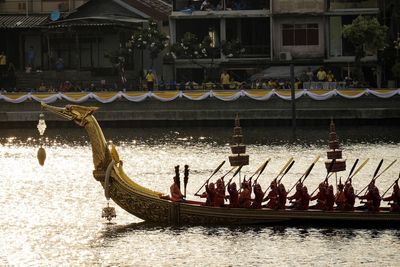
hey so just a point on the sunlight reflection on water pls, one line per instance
(51, 214)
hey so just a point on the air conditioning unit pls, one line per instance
(63, 7)
(285, 56)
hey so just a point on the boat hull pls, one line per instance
(157, 210)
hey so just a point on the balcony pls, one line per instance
(220, 5)
(352, 4)
(298, 6)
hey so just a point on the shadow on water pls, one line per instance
(114, 231)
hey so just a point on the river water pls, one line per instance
(51, 215)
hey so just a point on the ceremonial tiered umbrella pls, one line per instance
(335, 153)
(239, 157)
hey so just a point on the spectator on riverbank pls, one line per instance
(30, 56)
(150, 80)
(3, 63)
(225, 79)
(321, 75)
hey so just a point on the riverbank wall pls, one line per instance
(367, 109)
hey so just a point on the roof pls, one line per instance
(22, 21)
(157, 9)
(94, 21)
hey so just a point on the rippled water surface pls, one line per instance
(51, 215)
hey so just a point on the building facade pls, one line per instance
(274, 33)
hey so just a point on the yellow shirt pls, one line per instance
(330, 77)
(3, 60)
(150, 77)
(225, 78)
(321, 75)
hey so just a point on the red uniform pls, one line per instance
(259, 196)
(304, 200)
(373, 198)
(245, 196)
(282, 195)
(273, 197)
(219, 198)
(321, 198)
(210, 194)
(330, 198)
(176, 194)
(297, 196)
(395, 197)
(233, 196)
(350, 197)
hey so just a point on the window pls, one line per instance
(300, 34)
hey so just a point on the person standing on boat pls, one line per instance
(219, 194)
(320, 197)
(233, 195)
(176, 194)
(373, 197)
(350, 196)
(273, 196)
(258, 197)
(395, 197)
(245, 196)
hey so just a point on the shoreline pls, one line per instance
(367, 109)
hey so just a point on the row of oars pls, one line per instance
(285, 169)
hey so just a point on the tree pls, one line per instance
(190, 48)
(151, 39)
(364, 32)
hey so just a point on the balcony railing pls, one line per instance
(220, 5)
(352, 4)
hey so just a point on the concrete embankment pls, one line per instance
(363, 110)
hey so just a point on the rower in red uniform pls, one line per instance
(296, 196)
(245, 196)
(330, 198)
(395, 197)
(258, 197)
(233, 195)
(176, 194)
(373, 197)
(273, 197)
(340, 198)
(350, 196)
(305, 199)
(219, 198)
(209, 194)
(282, 195)
(320, 197)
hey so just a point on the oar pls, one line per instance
(280, 179)
(284, 167)
(306, 173)
(390, 165)
(236, 172)
(358, 169)
(327, 175)
(395, 182)
(352, 170)
(215, 171)
(260, 170)
(373, 177)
